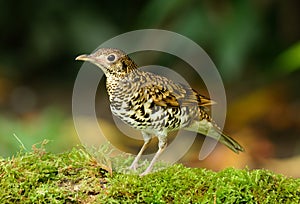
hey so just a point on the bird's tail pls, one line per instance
(209, 129)
(231, 143)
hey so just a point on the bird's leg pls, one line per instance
(162, 144)
(147, 138)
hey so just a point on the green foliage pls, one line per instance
(289, 60)
(229, 32)
(51, 123)
(47, 36)
(76, 177)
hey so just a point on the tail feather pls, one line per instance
(231, 143)
(209, 129)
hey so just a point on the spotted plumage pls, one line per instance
(153, 104)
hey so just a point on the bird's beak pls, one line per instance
(84, 58)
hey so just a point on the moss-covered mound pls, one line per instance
(76, 177)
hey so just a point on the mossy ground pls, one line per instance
(77, 177)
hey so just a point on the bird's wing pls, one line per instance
(162, 96)
(193, 96)
(175, 95)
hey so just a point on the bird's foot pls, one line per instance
(147, 171)
(144, 173)
(133, 166)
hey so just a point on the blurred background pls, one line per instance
(254, 44)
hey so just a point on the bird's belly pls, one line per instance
(152, 120)
(131, 116)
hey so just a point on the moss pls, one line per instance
(41, 177)
(76, 177)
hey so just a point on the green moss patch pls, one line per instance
(77, 177)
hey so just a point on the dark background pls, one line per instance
(254, 44)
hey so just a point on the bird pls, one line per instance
(154, 104)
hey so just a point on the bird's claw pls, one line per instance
(133, 167)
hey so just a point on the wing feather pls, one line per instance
(175, 95)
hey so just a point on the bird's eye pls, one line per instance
(111, 58)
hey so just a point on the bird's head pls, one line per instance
(113, 62)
